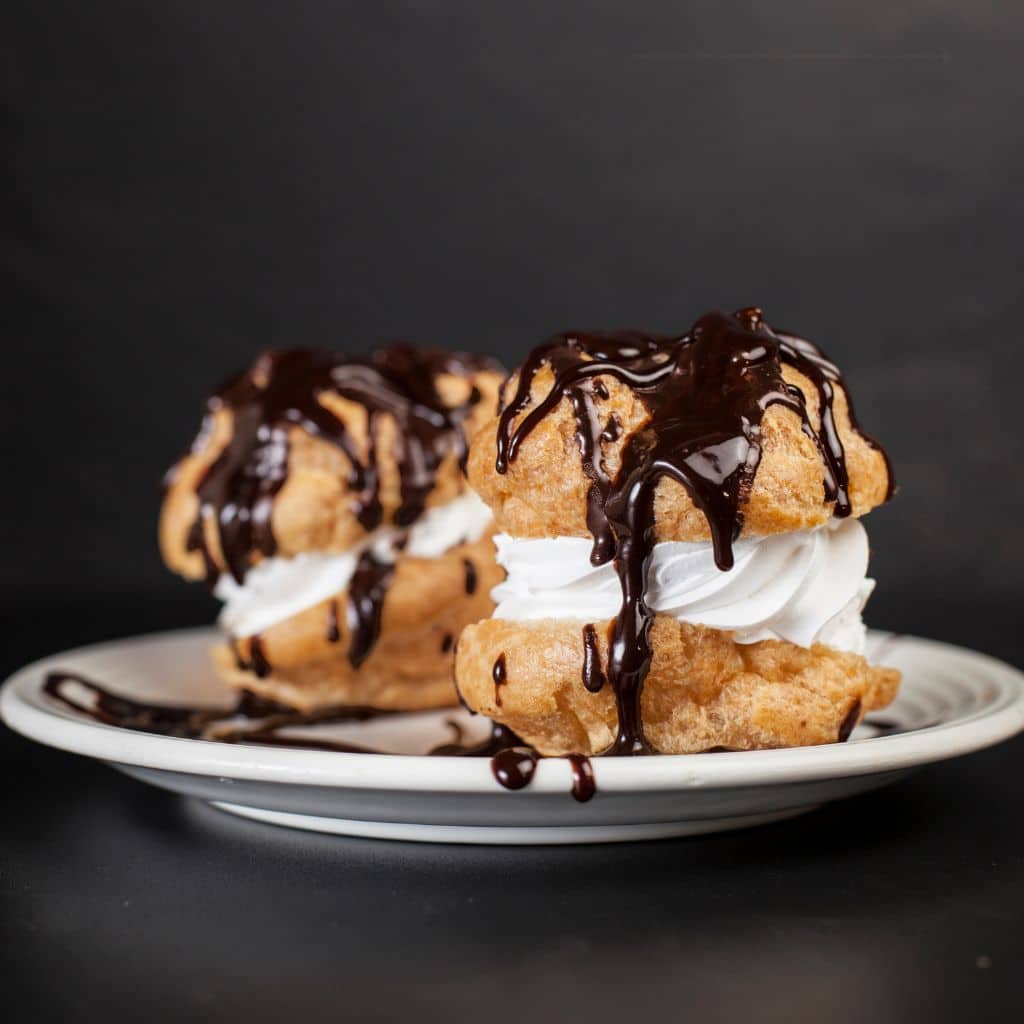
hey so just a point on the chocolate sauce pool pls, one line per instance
(512, 762)
(257, 720)
(706, 393)
(283, 390)
(188, 722)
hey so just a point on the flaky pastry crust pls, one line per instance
(543, 493)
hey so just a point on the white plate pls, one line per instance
(952, 701)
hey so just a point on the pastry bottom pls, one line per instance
(409, 668)
(704, 691)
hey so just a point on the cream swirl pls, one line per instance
(278, 588)
(805, 587)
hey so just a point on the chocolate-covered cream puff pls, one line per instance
(679, 520)
(325, 502)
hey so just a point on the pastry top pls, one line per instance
(730, 429)
(311, 450)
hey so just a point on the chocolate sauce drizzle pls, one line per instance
(333, 628)
(849, 723)
(282, 390)
(706, 393)
(514, 767)
(366, 592)
(499, 673)
(594, 676)
(471, 577)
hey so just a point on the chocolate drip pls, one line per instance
(706, 393)
(283, 390)
(499, 673)
(514, 768)
(470, 575)
(806, 357)
(849, 723)
(513, 762)
(593, 674)
(333, 627)
(366, 592)
(583, 784)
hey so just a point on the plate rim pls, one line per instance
(65, 730)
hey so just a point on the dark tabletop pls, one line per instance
(122, 900)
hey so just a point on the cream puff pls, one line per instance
(324, 501)
(679, 518)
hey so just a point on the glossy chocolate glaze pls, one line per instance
(594, 677)
(583, 784)
(285, 390)
(514, 767)
(499, 673)
(706, 393)
(471, 575)
(612, 431)
(366, 592)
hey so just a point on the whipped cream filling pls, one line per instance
(805, 587)
(278, 588)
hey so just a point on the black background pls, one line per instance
(187, 184)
